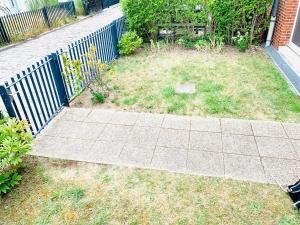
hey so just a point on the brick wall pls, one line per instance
(285, 22)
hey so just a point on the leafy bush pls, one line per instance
(244, 16)
(223, 18)
(146, 17)
(15, 141)
(129, 42)
(242, 42)
(76, 70)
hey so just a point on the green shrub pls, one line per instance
(245, 16)
(98, 97)
(146, 17)
(15, 141)
(129, 42)
(223, 18)
(242, 43)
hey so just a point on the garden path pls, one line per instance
(259, 151)
(19, 57)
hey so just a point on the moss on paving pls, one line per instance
(64, 192)
(228, 84)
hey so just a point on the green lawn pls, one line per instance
(228, 84)
(64, 192)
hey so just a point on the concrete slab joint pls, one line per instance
(259, 151)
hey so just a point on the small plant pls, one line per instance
(129, 42)
(242, 42)
(15, 141)
(98, 97)
(100, 72)
(217, 42)
(202, 44)
(75, 72)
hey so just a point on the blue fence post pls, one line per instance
(7, 102)
(46, 17)
(86, 7)
(115, 40)
(58, 79)
(3, 32)
(73, 8)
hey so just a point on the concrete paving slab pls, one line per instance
(239, 144)
(205, 141)
(292, 130)
(124, 118)
(137, 155)
(78, 115)
(173, 159)
(116, 133)
(276, 147)
(105, 152)
(176, 122)
(100, 116)
(205, 124)
(173, 138)
(296, 144)
(144, 136)
(268, 128)
(80, 130)
(48, 146)
(243, 167)
(150, 120)
(236, 126)
(205, 163)
(281, 171)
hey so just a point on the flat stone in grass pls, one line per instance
(186, 89)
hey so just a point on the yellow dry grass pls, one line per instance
(64, 192)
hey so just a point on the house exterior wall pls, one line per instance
(286, 17)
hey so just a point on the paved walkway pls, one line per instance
(15, 59)
(238, 149)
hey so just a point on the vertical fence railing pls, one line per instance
(38, 93)
(108, 3)
(17, 25)
(105, 41)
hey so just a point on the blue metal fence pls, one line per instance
(108, 3)
(39, 93)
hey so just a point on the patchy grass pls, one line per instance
(228, 84)
(64, 192)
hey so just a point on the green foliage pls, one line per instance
(168, 92)
(73, 73)
(37, 4)
(223, 18)
(146, 17)
(75, 193)
(202, 43)
(244, 16)
(98, 97)
(15, 140)
(129, 42)
(130, 101)
(76, 70)
(242, 42)
(79, 7)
